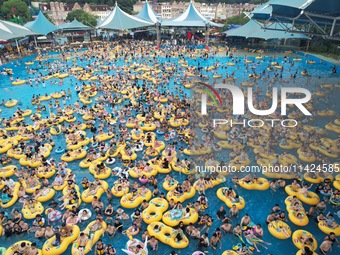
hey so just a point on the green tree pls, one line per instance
(48, 17)
(16, 10)
(235, 20)
(82, 16)
(126, 5)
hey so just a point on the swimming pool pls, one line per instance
(258, 213)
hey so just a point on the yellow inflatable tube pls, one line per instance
(78, 145)
(316, 179)
(19, 82)
(196, 152)
(119, 192)
(11, 103)
(134, 173)
(240, 204)
(14, 197)
(174, 217)
(157, 206)
(167, 235)
(8, 171)
(327, 230)
(127, 157)
(301, 252)
(49, 249)
(15, 153)
(89, 198)
(279, 229)
(181, 169)
(63, 185)
(183, 197)
(74, 203)
(31, 214)
(292, 215)
(47, 197)
(296, 240)
(213, 184)
(54, 131)
(62, 76)
(14, 247)
(104, 137)
(229, 252)
(170, 185)
(73, 155)
(311, 199)
(96, 236)
(7, 145)
(131, 201)
(56, 95)
(30, 190)
(104, 175)
(259, 184)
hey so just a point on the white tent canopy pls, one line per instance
(119, 20)
(255, 29)
(41, 25)
(147, 14)
(190, 18)
(10, 30)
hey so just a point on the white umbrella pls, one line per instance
(10, 30)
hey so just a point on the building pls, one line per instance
(102, 11)
(138, 7)
(177, 8)
(163, 10)
(58, 11)
(230, 10)
(208, 10)
(171, 9)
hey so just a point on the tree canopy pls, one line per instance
(235, 20)
(82, 16)
(126, 5)
(16, 10)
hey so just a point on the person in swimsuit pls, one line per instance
(100, 248)
(332, 238)
(22, 248)
(49, 232)
(110, 230)
(95, 227)
(214, 240)
(234, 212)
(83, 239)
(245, 220)
(237, 230)
(153, 242)
(40, 233)
(325, 246)
(33, 249)
(109, 211)
(258, 231)
(110, 250)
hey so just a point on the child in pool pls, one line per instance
(305, 189)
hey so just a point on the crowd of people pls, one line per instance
(120, 94)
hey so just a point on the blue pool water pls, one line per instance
(258, 203)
